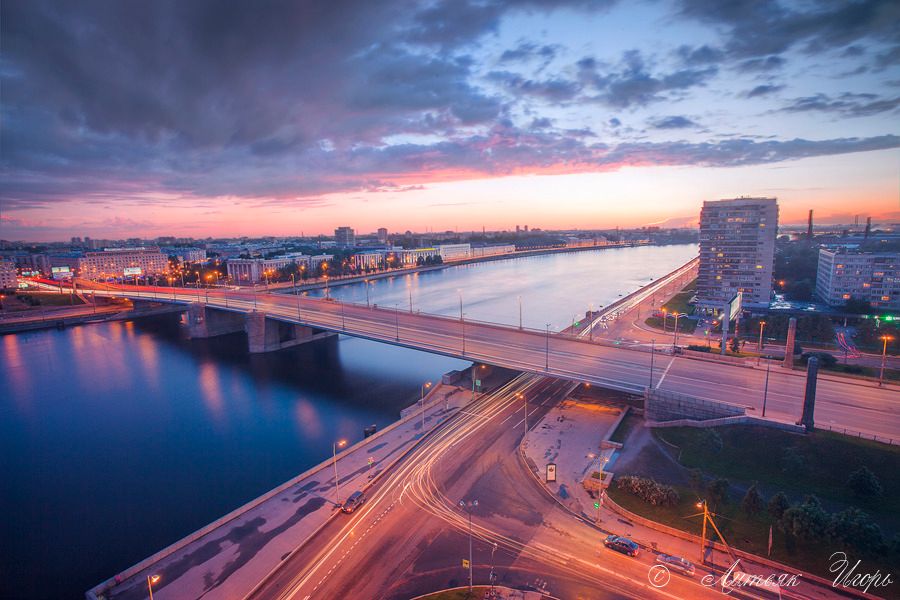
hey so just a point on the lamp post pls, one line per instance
(547, 350)
(525, 419)
(468, 506)
(652, 352)
(397, 321)
(462, 323)
(759, 347)
(766, 387)
(675, 341)
(520, 313)
(665, 316)
(367, 293)
(151, 579)
(337, 484)
(885, 339)
(424, 387)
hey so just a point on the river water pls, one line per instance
(118, 439)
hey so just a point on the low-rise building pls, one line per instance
(847, 274)
(114, 262)
(450, 252)
(244, 271)
(482, 251)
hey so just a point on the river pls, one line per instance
(118, 439)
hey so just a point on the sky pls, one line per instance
(202, 118)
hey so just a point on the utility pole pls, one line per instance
(652, 352)
(468, 506)
(547, 362)
(766, 387)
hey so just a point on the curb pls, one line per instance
(502, 587)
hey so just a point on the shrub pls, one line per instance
(807, 521)
(863, 483)
(710, 439)
(698, 348)
(855, 529)
(753, 502)
(777, 505)
(648, 490)
(826, 360)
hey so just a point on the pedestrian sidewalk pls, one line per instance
(570, 435)
(227, 558)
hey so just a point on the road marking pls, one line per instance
(666, 372)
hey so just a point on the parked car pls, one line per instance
(676, 563)
(355, 500)
(620, 544)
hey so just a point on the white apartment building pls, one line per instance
(870, 276)
(243, 271)
(737, 250)
(115, 262)
(8, 279)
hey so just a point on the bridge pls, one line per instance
(273, 321)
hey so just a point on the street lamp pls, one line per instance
(885, 339)
(762, 325)
(424, 387)
(547, 350)
(675, 341)
(468, 506)
(652, 352)
(766, 387)
(337, 485)
(522, 396)
(462, 323)
(520, 313)
(151, 579)
(665, 316)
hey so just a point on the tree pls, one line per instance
(855, 529)
(717, 491)
(826, 360)
(864, 484)
(777, 505)
(753, 502)
(807, 521)
(858, 306)
(735, 345)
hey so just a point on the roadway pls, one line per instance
(411, 535)
(844, 403)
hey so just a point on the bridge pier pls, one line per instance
(203, 322)
(267, 335)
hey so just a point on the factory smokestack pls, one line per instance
(809, 234)
(868, 227)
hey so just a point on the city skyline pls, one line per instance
(203, 121)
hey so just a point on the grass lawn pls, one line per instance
(757, 454)
(679, 302)
(751, 454)
(684, 325)
(53, 299)
(626, 427)
(750, 534)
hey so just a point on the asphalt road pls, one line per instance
(411, 535)
(841, 402)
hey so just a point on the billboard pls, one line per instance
(130, 271)
(60, 273)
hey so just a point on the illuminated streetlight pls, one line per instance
(424, 387)
(762, 325)
(151, 579)
(885, 339)
(468, 506)
(337, 485)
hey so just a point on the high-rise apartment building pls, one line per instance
(382, 235)
(870, 276)
(345, 237)
(8, 279)
(737, 250)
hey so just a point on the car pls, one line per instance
(676, 563)
(355, 500)
(621, 544)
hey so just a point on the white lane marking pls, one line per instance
(666, 372)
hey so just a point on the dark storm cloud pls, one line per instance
(769, 27)
(550, 89)
(633, 84)
(673, 122)
(847, 104)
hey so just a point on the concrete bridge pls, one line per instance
(274, 321)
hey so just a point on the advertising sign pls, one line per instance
(60, 273)
(551, 472)
(131, 271)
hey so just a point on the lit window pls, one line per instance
(846, 296)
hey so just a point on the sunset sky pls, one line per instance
(199, 118)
